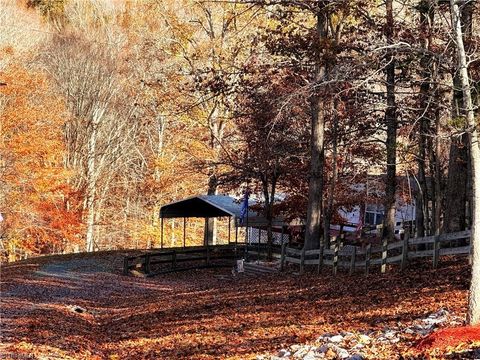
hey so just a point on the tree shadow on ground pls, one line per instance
(196, 314)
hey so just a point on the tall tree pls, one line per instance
(472, 133)
(319, 108)
(88, 82)
(391, 123)
(457, 190)
(271, 139)
(426, 103)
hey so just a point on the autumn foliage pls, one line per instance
(38, 207)
(153, 101)
(209, 314)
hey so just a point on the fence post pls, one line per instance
(335, 255)
(320, 257)
(302, 261)
(126, 261)
(404, 253)
(384, 255)
(368, 255)
(470, 254)
(406, 232)
(352, 260)
(436, 251)
(147, 263)
(282, 258)
(342, 239)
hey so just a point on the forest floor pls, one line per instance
(82, 307)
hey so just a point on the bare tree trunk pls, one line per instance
(422, 198)
(91, 178)
(86, 75)
(423, 126)
(435, 152)
(216, 135)
(269, 196)
(315, 185)
(90, 193)
(457, 181)
(211, 230)
(456, 190)
(474, 302)
(437, 178)
(458, 193)
(268, 216)
(427, 104)
(333, 182)
(391, 121)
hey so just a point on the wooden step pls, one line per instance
(252, 268)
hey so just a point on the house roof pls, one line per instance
(206, 206)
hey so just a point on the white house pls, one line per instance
(371, 215)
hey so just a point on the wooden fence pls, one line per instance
(155, 262)
(400, 252)
(185, 258)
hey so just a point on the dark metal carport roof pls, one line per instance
(203, 206)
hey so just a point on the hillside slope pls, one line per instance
(81, 307)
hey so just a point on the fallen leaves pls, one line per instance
(196, 315)
(450, 341)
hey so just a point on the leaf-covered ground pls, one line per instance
(206, 314)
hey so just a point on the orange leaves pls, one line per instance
(198, 315)
(34, 182)
(31, 136)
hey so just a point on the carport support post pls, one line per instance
(229, 228)
(206, 239)
(246, 236)
(236, 237)
(161, 233)
(236, 231)
(184, 230)
(246, 232)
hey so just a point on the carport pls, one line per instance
(213, 206)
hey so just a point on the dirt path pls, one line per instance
(75, 268)
(203, 314)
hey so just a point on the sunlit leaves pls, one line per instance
(34, 181)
